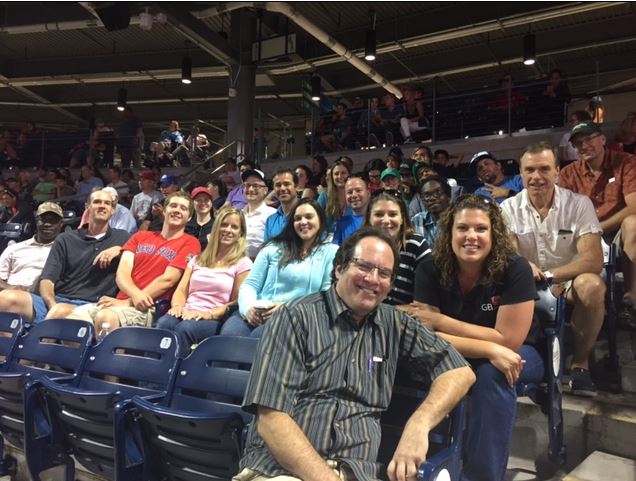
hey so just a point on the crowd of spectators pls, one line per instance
(231, 255)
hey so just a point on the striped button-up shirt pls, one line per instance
(334, 377)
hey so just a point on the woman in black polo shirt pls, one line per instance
(479, 295)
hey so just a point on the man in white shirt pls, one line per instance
(21, 264)
(256, 212)
(559, 233)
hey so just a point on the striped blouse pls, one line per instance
(415, 249)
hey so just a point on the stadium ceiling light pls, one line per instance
(122, 99)
(315, 88)
(186, 70)
(370, 41)
(529, 49)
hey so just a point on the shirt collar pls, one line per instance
(338, 309)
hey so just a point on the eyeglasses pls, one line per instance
(253, 186)
(368, 268)
(436, 194)
(578, 143)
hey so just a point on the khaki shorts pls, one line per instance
(127, 316)
(343, 471)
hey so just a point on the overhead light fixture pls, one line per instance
(529, 49)
(369, 41)
(315, 88)
(369, 46)
(122, 99)
(186, 70)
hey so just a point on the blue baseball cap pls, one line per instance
(168, 180)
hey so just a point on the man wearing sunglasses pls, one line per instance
(608, 178)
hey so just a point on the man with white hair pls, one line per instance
(122, 217)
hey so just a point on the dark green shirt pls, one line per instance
(335, 377)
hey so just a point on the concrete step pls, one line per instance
(600, 466)
(606, 423)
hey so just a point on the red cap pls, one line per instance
(200, 190)
(147, 175)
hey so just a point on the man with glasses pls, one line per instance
(357, 197)
(324, 372)
(608, 178)
(285, 181)
(257, 212)
(436, 196)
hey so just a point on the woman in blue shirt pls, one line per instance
(291, 265)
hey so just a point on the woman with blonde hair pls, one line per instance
(333, 201)
(210, 284)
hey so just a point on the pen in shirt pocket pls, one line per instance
(372, 361)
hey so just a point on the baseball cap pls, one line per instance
(168, 180)
(253, 173)
(478, 157)
(200, 190)
(45, 207)
(389, 173)
(417, 166)
(147, 175)
(405, 168)
(585, 128)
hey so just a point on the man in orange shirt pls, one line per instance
(608, 178)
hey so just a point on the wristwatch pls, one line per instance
(548, 275)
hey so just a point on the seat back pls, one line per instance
(10, 328)
(55, 348)
(90, 415)
(196, 433)
(10, 233)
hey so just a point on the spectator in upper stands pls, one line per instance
(373, 170)
(567, 152)
(435, 193)
(304, 189)
(88, 182)
(370, 124)
(186, 152)
(130, 140)
(625, 140)
(390, 114)
(168, 184)
(414, 119)
(142, 202)
(23, 192)
(122, 217)
(479, 295)
(102, 146)
(333, 201)
(558, 233)
(7, 147)
(557, 96)
(168, 141)
(596, 110)
(46, 189)
(295, 263)
(63, 189)
(507, 97)
(150, 268)
(26, 184)
(284, 182)
(219, 193)
(496, 185)
(79, 269)
(357, 197)
(114, 181)
(305, 367)
(318, 169)
(341, 137)
(608, 178)
(257, 211)
(387, 211)
(390, 179)
(15, 211)
(21, 264)
(200, 225)
(210, 283)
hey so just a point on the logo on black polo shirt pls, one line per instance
(492, 305)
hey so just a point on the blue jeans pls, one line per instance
(188, 332)
(491, 417)
(235, 325)
(40, 309)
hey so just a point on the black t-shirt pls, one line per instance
(480, 305)
(199, 231)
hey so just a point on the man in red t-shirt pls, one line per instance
(150, 268)
(608, 178)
